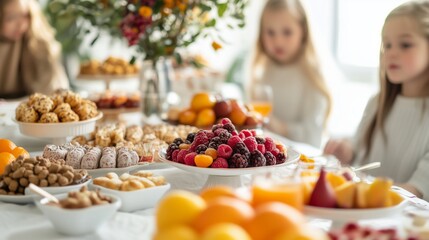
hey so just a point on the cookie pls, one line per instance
(72, 98)
(127, 158)
(49, 117)
(20, 110)
(63, 107)
(29, 115)
(134, 134)
(91, 158)
(54, 152)
(108, 158)
(43, 104)
(74, 157)
(86, 110)
(68, 116)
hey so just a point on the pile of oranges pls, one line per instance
(221, 213)
(9, 152)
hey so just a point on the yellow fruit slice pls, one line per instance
(345, 195)
(335, 179)
(378, 193)
(361, 195)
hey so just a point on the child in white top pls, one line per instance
(286, 60)
(395, 127)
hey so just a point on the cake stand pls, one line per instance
(58, 132)
(229, 176)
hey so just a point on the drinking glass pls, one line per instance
(261, 99)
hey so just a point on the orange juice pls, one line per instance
(289, 193)
(264, 108)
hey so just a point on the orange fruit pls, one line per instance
(5, 159)
(177, 232)
(225, 231)
(335, 179)
(6, 145)
(202, 100)
(187, 117)
(214, 192)
(202, 160)
(272, 219)
(205, 117)
(304, 233)
(223, 210)
(18, 151)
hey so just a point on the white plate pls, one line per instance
(292, 157)
(59, 190)
(100, 172)
(18, 199)
(349, 215)
(58, 130)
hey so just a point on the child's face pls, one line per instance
(281, 35)
(406, 51)
(16, 20)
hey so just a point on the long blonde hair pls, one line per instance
(307, 58)
(419, 11)
(40, 39)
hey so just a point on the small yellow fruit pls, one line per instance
(179, 232)
(225, 231)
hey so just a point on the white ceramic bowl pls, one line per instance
(136, 200)
(60, 190)
(78, 221)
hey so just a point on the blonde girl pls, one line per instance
(395, 127)
(29, 53)
(286, 60)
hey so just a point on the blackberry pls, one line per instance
(178, 141)
(216, 127)
(224, 137)
(260, 140)
(271, 160)
(171, 149)
(188, 142)
(257, 159)
(281, 158)
(201, 149)
(229, 127)
(237, 161)
(190, 137)
(241, 149)
(215, 142)
(218, 131)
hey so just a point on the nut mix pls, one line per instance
(83, 199)
(39, 171)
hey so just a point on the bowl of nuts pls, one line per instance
(137, 191)
(80, 212)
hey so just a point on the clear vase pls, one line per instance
(155, 86)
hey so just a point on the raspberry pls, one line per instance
(216, 127)
(242, 136)
(211, 152)
(225, 121)
(178, 141)
(225, 136)
(237, 161)
(271, 160)
(275, 152)
(190, 159)
(174, 155)
(181, 156)
(253, 132)
(261, 148)
(219, 131)
(242, 150)
(269, 144)
(209, 134)
(200, 138)
(234, 140)
(215, 142)
(190, 137)
(246, 133)
(260, 140)
(224, 151)
(250, 143)
(257, 159)
(219, 163)
(234, 133)
(230, 127)
(280, 158)
(201, 149)
(170, 150)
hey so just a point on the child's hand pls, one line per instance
(340, 148)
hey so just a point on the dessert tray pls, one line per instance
(229, 176)
(58, 132)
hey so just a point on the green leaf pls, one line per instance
(178, 58)
(221, 8)
(133, 60)
(211, 23)
(204, 7)
(95, 39)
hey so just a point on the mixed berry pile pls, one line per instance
(353, 231)
(224, 147)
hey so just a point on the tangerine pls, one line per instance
(6, 145)
(5, 159)
(178, 232)
(18, 151)
(205, 117)
(225, 231)
(202, 100)
(187, 117)
(214, 192)
(202, 160)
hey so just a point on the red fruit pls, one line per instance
(225, 121)
(234, 133)
(275, 151)
(174, 155)
(234, 140)
(181, 155)
(246, 133)
(190, 159)
(224, 151)
(253, 132)
(242, 136)
(261, 148)
(323, 194)
(219, 163)
(269, 144)
(251, 143)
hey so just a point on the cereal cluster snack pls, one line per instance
(40, 171)
(111, 66)
(144, 140)
(89, 157)
(83, 199)
(127, 182)
(63, 106)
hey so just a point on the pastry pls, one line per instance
(20, 110)
(108, 158)
(127, 158)
(146, 182)
(143, 173)
(63, 107)
(157, 180)
(112, 175)
(68, 116)
(74, 157)
(80, 140)
(72, 99)
(131, 185)
(49, 117)
(54, 152)
(43, 104)
(91, 158)
(86, 110)
(134, 134)
(108, 183)
(29, 115)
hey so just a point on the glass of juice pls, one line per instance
(261, 97)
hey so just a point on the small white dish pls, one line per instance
(59, 190)
(77, 222)
(138, 199)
